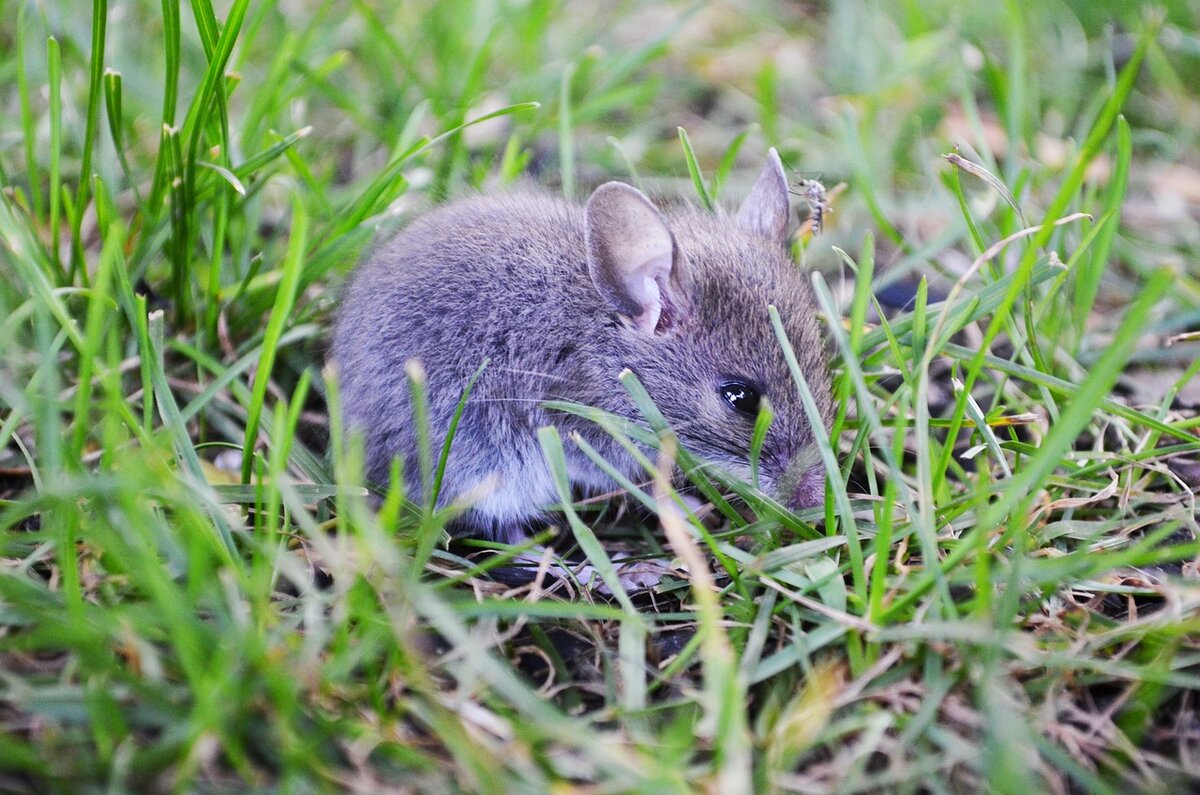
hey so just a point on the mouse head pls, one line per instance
(690, 292)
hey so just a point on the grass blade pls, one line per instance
(54, 57)
(694, 170)
(566, 138)
(293, 263)
(555, 458)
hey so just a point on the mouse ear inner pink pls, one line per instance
(632, 258)
(765, 210)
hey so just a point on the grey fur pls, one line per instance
(539, 286)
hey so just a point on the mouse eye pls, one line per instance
(742, 397)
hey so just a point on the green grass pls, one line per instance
(1000, 593)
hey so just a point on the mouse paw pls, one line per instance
(636, 575)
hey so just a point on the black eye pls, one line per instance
(742, 397)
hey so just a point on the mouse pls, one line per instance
(560, 297)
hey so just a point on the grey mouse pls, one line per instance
(561, 298)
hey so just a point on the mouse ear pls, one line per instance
(632, 258)
(765, 210)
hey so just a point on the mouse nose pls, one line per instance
(808, 490)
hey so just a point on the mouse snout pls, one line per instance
(806, 489)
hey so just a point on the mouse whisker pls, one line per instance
(537, 373)
(477, 400)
